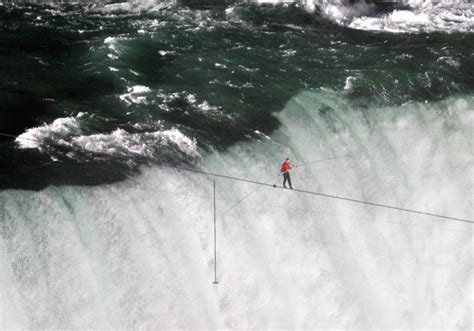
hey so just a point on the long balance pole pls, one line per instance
(215, 237)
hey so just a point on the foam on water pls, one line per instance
(138, 254)
(136, 6)
(67, 132)
(121, 142)
(422, 16)
(59, 129)
(349, 83)
(343, 14)
(135, 94)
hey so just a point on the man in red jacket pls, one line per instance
(285, 170)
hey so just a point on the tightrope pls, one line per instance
(320, 194)
(331, 196)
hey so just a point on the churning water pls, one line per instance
(97, 231)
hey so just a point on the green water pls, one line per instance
(121, 74)
(96, 232)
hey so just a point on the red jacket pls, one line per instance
(286, 167)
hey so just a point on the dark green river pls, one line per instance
(87, 88)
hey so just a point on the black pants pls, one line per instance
(286, 178)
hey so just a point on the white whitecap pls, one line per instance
(121, 142)
(135, 94)
(349, 83)
(59, 129)
(417, 16)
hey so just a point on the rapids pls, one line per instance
(98, 231)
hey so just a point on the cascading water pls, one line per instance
(97, 231)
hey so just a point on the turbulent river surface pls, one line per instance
(101, 103)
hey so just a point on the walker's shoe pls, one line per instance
(285, 187)
(291, 188)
